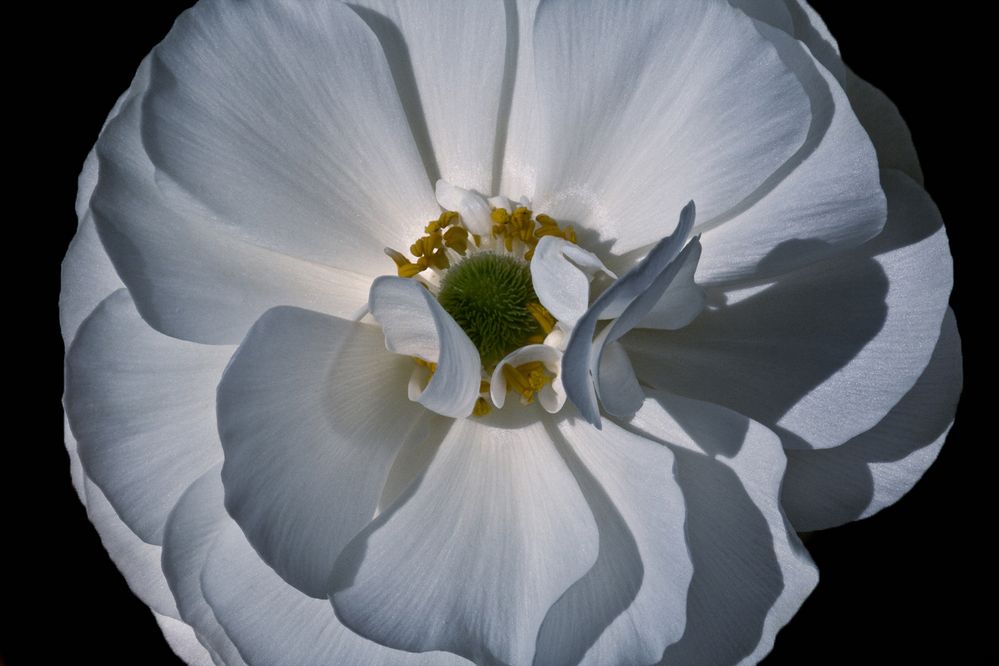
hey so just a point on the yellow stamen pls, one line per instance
(482, 407)
(430, 365)
(544, 318)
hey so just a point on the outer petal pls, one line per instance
(416, 325)
(823, 354)
(141, 405)
(217, 575)
(138, 561)
(473, 555)
(283, 119)
(882, 120)
(873, 470)
(275, 624)
(632, 604)
(189, 276)
(751, 573)
(829, 199)
(311, 412)
(183, 641)
(447, 61)
(190, 532)
(643, 111)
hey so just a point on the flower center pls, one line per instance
(480, 273)
(491, 297)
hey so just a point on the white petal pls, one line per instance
(552, 396)
(772, 12)
(630, 298)
(683, 299)
(642, 109)
(183, 642)
(633, 603)
(561, 272)
(283, 119)
(873, 470)
(474, 555)
(812, 30)
(517, 132)
(447, 60)
(190, 532)
(472, 207)
(616, 383)
(138, 561)
(751, 573)
(141, 405)
(272, 623)
(885, 125)
(88, 277)
(416, 325)
(827, 200)
(190, 277)
(823, 354)
(311, 413)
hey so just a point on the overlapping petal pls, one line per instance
(141, 406)
(189, 276)
(632, 604)
(641, 110)
(311, 412)
(282, 118)
(751, 573)
(471, 558)
(873, 470)
(822, 355)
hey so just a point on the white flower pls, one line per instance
(244, 190)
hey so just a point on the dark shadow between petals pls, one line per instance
(587, 608)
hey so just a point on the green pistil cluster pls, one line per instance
(488, 296)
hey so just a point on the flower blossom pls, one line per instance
(431, 332)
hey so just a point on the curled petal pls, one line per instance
(561, 272)
(472, 207)
(629, 299)
(551, 396)
(416, 325)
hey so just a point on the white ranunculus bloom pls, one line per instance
(666, 289)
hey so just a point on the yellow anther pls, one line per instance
(456, 238)
(430, 365)
(410, 270)
(545, 221)
(439, 260)
(405, 268)
(570, 233)
(447, 218)
(535, 339)
(483, 386)
(546, 230)
(529, 254)
(544, 318)
(508, 243)
(500, 215)
(482, 407)
(526, 379)
(478, 239)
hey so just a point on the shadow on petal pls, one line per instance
(591, 604)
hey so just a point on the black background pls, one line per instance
(894, 588)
